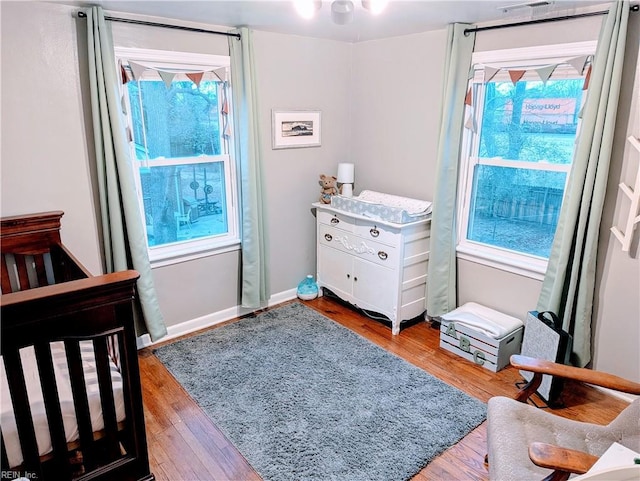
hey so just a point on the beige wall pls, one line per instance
(380, 104)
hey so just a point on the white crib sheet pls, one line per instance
(38, 413)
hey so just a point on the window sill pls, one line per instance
(185, 255)
(534, 268)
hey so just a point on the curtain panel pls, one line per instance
(442, 275)
(125, 245)
(569, 283)
(253, 222)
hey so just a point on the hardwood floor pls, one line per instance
(184, 444)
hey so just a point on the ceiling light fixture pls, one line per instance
(307, 8)
(374, 6)
(342, 11)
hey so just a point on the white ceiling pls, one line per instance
(401, 17)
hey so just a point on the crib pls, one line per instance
(71, 397)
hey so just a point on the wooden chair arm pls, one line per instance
(561, 459)
(588, 376)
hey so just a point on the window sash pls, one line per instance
(494, 256)
(188, 249)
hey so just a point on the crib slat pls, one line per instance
(23, 274)
(106, 396)
(41, 270)
(22, 410)
(80, 402)
(5, 281)
(4, 459)
(52, 406)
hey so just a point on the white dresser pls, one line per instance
(374, 265)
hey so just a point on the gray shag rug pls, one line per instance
(304, 398)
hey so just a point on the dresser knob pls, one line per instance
(328, 237)
(374, 232)
(382, 255)
(335, 220)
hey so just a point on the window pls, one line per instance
(518, 148)
(178, 108)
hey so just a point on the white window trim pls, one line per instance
(184, 251)
(514, 262)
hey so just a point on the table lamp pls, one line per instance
(346, 177)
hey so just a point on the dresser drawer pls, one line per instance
(376, 232)
(336, 220)
(362, 248)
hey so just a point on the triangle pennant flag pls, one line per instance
(587, 78)
(578, 63)
(221, 73)
(137, 70)
(124, 76)
(471, 123)
(467, 99)
(545, 72)
(516, 75)
(225, 107)
(489, 73)
(227, 131)
(167, 77)
(195, 77)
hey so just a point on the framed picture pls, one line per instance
(295, 128)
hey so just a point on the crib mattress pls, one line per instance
(38, 413)
(384, 207)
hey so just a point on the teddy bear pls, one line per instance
(328, 183)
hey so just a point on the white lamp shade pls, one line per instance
(346, 173)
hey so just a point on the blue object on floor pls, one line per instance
(307, 289)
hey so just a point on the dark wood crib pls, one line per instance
(71, 397)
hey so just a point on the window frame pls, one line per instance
(190, 249)
(501, 258)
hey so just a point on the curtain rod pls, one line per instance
(467, 31)
(81, 14)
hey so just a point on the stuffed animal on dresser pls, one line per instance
(328, 184)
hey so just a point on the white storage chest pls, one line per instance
(481, 335)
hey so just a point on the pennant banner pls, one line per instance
(195, 77)
(467, 99)
(587, 78)
(137, 70)
(578, 63)
(471, 122)
(516, 75)
(489, 73)
(545, 72)
(221, 73)
(167, 77)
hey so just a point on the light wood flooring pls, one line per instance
(184, 444)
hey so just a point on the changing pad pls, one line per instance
(492, 323)
(386, 207)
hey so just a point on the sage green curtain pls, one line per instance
(442, 275)
(125, 245)
(253, 223)
(569, 283)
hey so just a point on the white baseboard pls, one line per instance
(212, 319)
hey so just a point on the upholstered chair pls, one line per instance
(526, 443)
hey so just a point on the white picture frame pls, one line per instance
(293, 129)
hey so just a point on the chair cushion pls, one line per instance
(512, 426)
